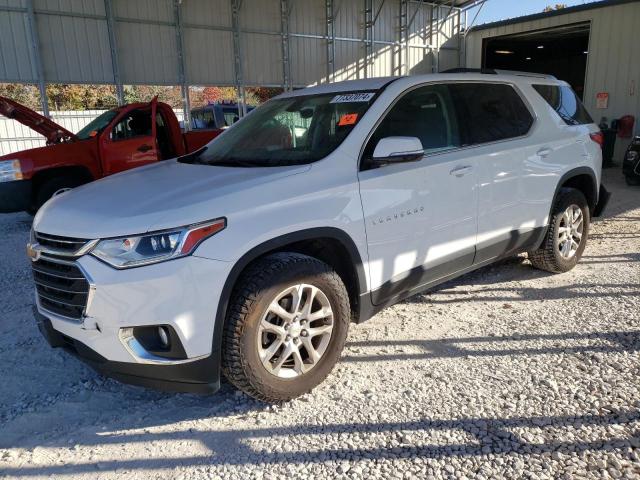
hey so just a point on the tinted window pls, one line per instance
(565, 102)
(135, 124)
(425, 113)
(202, 119)
(231, 116)
(492, 112)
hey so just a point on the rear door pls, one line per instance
(420, 217)
(497, 122)
(568, 140)
(131, 140)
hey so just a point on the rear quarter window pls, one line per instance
(491, 112)
(565, 102)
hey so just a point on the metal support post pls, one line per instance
(403, 52)
(113, 46)
(35, 51)
(446, 18)
(408, 37)
(435, 52)
(368, 35)
(182, 77)
(285, 12)
(331, 35)
(237, 58)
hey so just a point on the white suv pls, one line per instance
(252, 256)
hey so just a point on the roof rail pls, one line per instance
(525, 74)
(488, 71)
(491, 71)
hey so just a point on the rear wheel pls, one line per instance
(566, 236)
(285, 328)
(632, 180)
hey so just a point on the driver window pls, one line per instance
(135, 124)
(426, 113)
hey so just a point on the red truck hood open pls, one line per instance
(53, 132)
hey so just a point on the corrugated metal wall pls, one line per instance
(74, 41)
(612, 65)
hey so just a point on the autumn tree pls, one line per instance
(103, 97)
(25, 94)
(557, 6)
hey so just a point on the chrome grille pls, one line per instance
(61, 286)
(61, 245)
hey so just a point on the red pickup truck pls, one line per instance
(119, 139)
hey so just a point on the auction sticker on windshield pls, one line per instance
(348, 119)
(353, 97)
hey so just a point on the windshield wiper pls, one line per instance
(237, 163)
(193, 157)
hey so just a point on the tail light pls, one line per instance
(598, 137)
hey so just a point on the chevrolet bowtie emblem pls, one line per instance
(33, 253)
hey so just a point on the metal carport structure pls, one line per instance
(287, 43)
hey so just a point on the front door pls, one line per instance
(131, 141)
(420, 217)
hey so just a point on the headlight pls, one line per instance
(10, 170)
(133, 251)
(632, 156)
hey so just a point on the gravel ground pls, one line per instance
(507, 372)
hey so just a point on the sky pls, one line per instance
(494, 10)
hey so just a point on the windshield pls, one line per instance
(97, 124)
(288, 131)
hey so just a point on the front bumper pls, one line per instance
(200, 376)
(15, 196)
(181, 293)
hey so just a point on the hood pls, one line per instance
(53, 132)
(156, 197)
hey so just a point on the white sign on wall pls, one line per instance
(602, 100)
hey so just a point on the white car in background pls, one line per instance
(251, 256)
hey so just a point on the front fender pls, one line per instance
(274, 244)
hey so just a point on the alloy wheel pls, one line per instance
(295, 330)
(570, 231)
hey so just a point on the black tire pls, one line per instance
(49, 187)
(257, 287)
(632, 180)
(548, 257)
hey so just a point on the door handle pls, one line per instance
(144, 148)
(460, 171)
(543, 152)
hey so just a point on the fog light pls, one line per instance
(163, 334)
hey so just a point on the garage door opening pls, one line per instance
(560, 51)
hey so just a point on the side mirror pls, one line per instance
(398, 150)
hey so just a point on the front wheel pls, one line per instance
(566, 235)
(285, 328)
(632, 180)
